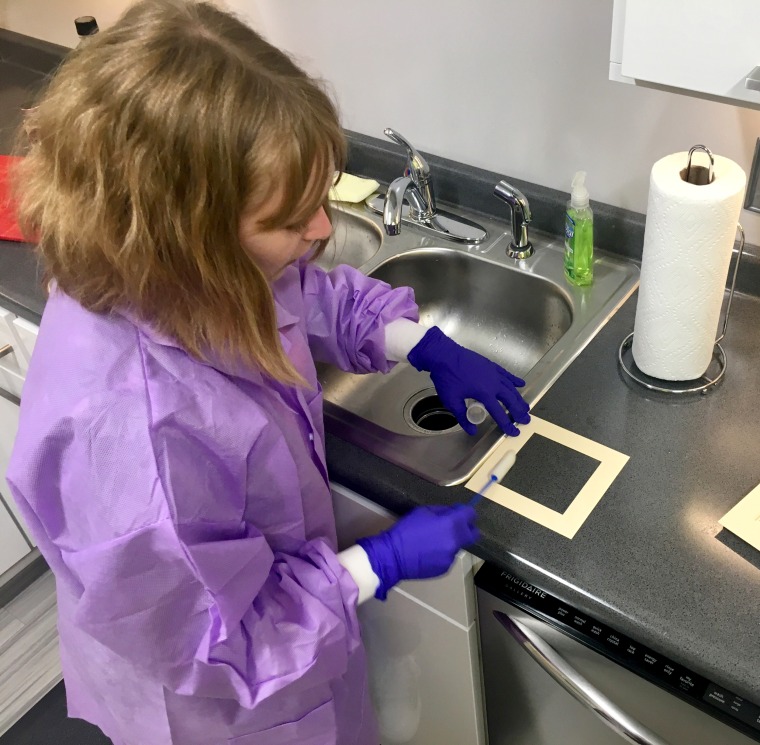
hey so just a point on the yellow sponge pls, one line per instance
(352, 188)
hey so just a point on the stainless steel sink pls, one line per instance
(354, 241)
(521, 314)
(510, 317)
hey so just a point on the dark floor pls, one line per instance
(47, 724)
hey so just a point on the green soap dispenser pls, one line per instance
(579, 234)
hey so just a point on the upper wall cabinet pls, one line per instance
(698, 46)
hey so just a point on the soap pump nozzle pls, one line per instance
(579, 192)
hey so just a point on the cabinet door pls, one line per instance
(9, 413)
(26, 336)
(696, 45)
(422, 644)
(12, 360)
(453, 594)
(13, 545)
(424, 673)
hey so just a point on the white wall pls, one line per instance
(516, 87)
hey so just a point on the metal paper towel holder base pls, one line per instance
(700, 385)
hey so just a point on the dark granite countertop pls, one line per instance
(650, 559)
(647, 560)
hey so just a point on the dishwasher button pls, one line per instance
(634, 653)
(718, 697)
(746, 712)
(596, 630)
(732, 704)
(650, 661)
(614, 640)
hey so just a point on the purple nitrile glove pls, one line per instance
(459, 373)
(421, 545)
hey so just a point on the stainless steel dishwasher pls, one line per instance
(553, 675)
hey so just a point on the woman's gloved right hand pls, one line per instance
(421, 545)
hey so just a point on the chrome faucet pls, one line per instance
(520, 247)
(416, 187)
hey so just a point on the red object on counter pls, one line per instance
(9, 229)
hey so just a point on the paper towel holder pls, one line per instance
(697, 176)
(704, 383)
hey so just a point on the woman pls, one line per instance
(170, 459)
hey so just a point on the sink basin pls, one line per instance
(521, 314)
(354, 241)
(510, 317)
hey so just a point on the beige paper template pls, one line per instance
(565, 523)
(744, 518)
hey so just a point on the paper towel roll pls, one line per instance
(688, 239)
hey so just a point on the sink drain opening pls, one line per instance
(430, 415)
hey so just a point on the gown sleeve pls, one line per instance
(347, 313)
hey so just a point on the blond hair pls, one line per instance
(148, 146)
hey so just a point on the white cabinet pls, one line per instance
(15, 540)
(9, 413)
(12, 360)
(13, 545)
(422, 644)
(695, 45)
(25, 334)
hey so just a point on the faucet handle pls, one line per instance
(520, 247)
(513, 197)
(418, 167)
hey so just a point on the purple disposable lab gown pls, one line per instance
(185, 511)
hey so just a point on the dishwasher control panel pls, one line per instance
(640, 659)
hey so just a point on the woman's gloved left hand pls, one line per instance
(459, 373)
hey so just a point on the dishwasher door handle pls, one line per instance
(576, 685)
